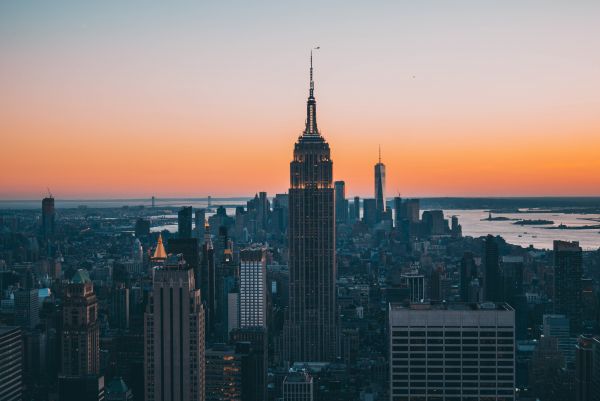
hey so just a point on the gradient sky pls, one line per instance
(128, 99)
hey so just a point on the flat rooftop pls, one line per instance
(453, 306)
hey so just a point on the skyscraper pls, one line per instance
(491, 280)
(370, 212)
(312, 323)
(341, 203)
(397, 211)
(48, 216)
(380, 188)
(356, 215)
(27, 308)
(567, 282)
(11, 363)
(253, 282)
(208, 276)
(184, 222)
(80, 346)
(174, 335)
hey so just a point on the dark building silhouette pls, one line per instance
(468, 272)
(491, 281)
(253, 344)
(81, 388)
(380, 206)
(370, 212)
(142, 228)
(312, 322)
(434, 222)
(356, 215)
(409, 210)
(48, 218)
(184, 222)
(567, 282)
(341, 203)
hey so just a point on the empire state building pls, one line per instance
(312, 320)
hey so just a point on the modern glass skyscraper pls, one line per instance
(312, 320)
(380, 188)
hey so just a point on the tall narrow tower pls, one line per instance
(174, 362)
(380, 188)
(312, 320)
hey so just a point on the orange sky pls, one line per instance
(137, 102)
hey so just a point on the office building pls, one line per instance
(119, 315)
(356, 203)
(223, 373)
(199, 220)
(341, 203)
(208, 283)
(434, 223)
(491, 280)
(27, 308)
(184, 222)
(397, 211)
(451, 351)
(298, 386)
(380, 205)
(11, 363)
(48, 218)
(312, 322)
(80, 339)
(584, 368)
(252, 343)
(174, 362)
(370, 212)
(559, 327)
(253, 282)
(567, 282)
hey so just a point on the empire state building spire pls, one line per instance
(311, 105)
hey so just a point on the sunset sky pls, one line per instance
(137, 98)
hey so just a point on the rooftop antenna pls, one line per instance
(379, 154)
(49, 193)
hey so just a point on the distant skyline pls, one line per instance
(133, 99)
